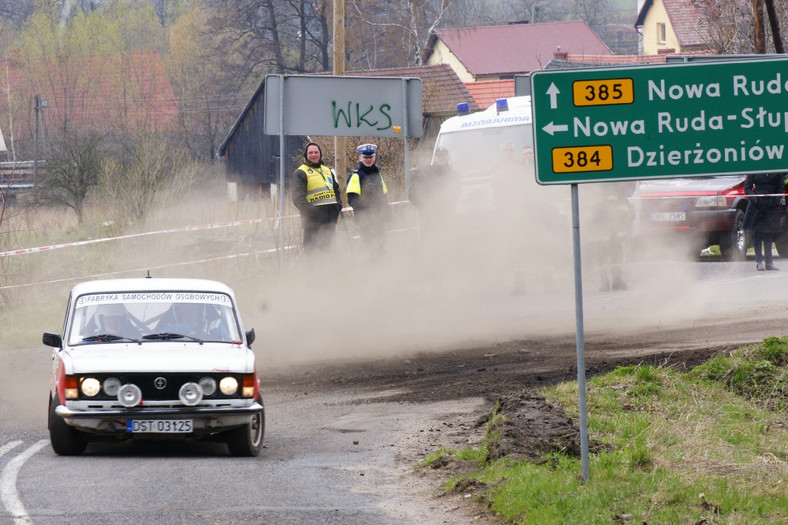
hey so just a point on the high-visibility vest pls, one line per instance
(354, 184)
(319, 185)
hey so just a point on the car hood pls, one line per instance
(158, 357)
(703, 185)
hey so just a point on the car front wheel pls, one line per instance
(734, 243)
(248, 439)
(66, 440)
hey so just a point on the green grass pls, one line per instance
(705, 446)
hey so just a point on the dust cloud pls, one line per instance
(499, 268)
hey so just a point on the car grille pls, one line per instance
(162, 386)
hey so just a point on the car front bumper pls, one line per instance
(205, 420)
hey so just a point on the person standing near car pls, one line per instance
(366, 194)
(315, 192)
(608, 222)
(762, 217)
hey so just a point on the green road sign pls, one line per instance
(684, 120)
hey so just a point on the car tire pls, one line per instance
(734, 243)
(247, 441)
(65, 439)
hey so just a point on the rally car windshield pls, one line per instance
(149, 316)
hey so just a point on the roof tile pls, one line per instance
(442, 89)
(485, 93)
(688, 23)
(507, 50)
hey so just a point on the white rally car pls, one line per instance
(152, 358)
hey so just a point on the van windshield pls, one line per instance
(474, 152)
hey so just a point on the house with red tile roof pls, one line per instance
(563, 60)
(129, 93)
(501, 52)
(672, 26)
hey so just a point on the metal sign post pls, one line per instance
(580, 338)
(282, 165)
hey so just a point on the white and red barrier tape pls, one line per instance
(270, 251)
(143, 234)
(211, 226)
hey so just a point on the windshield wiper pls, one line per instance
(167, 336)
(107, 337)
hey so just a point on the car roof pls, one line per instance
(151, 284)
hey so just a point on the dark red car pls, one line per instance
(701, 211)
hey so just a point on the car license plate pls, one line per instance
(159, 426)
(668, 216)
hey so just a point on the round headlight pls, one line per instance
(90, 386)
(129, 395)
(228, 386)
(111, 386)
(190, 394)
(208, 385)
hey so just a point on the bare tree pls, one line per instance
(465, 13)
(270, 36)
(15, 11)
(732, 25)
(133, 180)
(384, 34)
(73, 166)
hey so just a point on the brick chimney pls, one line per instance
(560, 55)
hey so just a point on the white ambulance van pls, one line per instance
(474, 142)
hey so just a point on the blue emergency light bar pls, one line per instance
(502, 105)
(463, 108)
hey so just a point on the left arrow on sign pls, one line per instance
(552, 128)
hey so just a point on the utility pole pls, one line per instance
(37, 107)
(340, 165)
(775, 25)
(757, 17)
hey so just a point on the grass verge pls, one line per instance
(707, 446)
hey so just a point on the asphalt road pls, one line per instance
(343, 437)
(326, 460)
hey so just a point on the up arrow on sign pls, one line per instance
(553, 92)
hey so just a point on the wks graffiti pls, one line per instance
(355, 115)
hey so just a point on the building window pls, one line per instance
(661, 38)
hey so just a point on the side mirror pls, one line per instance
(52, 340)
(250, 337)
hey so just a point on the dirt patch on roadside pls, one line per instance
(497, 370)
(526, 426)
